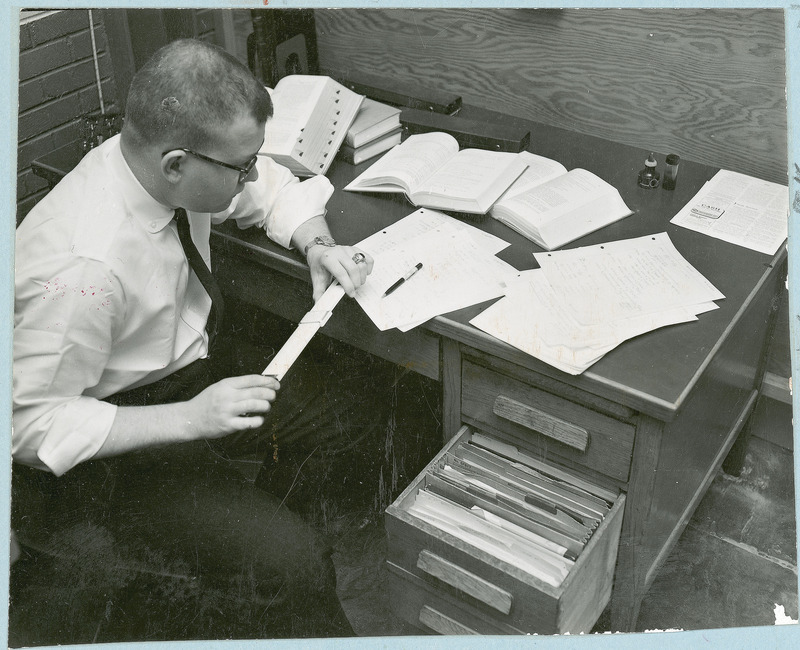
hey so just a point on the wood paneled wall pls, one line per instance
(707, 84)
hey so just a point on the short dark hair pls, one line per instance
(188, 91)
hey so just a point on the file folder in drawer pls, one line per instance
(481, 542)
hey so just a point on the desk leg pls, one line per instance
(632, 565)
(734, 462)
(451, 388)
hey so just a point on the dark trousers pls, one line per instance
(189, 503)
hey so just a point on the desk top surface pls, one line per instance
(656, 369)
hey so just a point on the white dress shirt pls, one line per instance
(105, 301)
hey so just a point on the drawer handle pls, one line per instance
(442, 624)
(541, 422)
(463, 580)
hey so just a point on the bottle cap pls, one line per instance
(673, 159)
(651, 161)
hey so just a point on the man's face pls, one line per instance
(210, 187)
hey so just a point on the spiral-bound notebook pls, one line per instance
(312, 114)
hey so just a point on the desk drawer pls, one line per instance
(461, 585)
(545, 424)
(432, 610)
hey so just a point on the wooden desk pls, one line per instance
(684, 392)
(677, 398)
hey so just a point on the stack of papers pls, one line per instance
(582, 303)
(741, 210)
(458, 269)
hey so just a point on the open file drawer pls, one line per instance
(444, 583)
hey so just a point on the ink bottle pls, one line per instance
(649, 176)
(671, 171)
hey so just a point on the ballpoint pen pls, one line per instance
(397, 284)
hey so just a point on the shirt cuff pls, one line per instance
(82, 428)
(296, 204)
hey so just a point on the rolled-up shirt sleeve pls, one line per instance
(65, 316)
(278, 201)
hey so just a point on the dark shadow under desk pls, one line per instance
(678, 396)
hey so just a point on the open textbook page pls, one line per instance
(432, 172)
(554, 209)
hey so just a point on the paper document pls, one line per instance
(424, 221)
(472, 528)
(741, 210)
(458, 269)
(624, 279)
(582, 303)
(533, 319)
(491, 496)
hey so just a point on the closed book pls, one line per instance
(373, 120)
(371, 149)
(311, 117)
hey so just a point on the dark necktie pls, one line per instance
(198, 265)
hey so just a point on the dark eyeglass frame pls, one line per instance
(244, 172)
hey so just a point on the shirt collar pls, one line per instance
(154, 216)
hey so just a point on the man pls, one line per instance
(114, 391)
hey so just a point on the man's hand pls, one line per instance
(338, 262)
(230, 405)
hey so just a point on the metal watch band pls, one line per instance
(321, 240)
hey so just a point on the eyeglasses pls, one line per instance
(244, 172)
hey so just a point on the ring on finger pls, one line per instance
(359, 258)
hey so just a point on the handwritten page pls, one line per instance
(625, 278)
(424, 221)
(459, 268)
(532, 318)
(582, 303)
(741, 210)
(456, 272)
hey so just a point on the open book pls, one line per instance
(311, 117)
(433, 173)
(553, 207)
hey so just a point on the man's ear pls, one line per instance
(172, 165)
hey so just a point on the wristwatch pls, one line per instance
(319, 240)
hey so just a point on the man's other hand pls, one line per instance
(232, 404)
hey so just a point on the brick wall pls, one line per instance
(57, 85)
